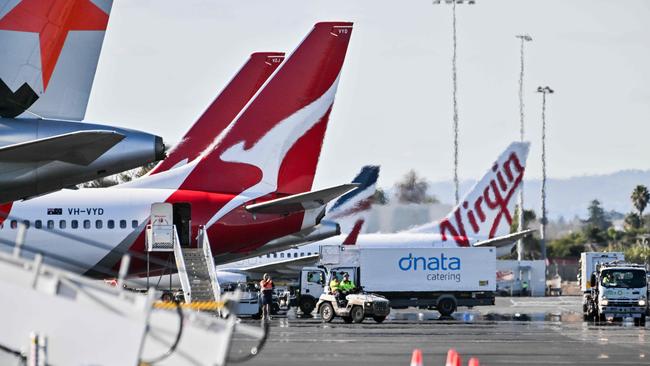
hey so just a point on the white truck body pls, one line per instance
(590, 260)
(432, 269)
(420, 277)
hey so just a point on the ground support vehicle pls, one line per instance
(615, 290)
(355, 308)
(433, 278)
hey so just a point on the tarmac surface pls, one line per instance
(516, 331)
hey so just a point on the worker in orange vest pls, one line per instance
(266, 286)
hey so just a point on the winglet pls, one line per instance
(354, 234)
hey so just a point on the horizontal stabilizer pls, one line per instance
(504, 240)
(301, 201)
(82, 148)
(287, 265)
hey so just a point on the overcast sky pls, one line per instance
(164, 61)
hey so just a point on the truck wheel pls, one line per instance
(357, 314)
(347, 319)
(446, 306)
(379, 319)
(640, 322)
(326, 312)
(306, 305)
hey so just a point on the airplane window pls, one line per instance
(74, 224)
(14, 224)
(302, 254)
(61, 224)
(86, 224)
(98, 224)
(275, 255)
(308, 253)
(268, 256)
(110, 224)
(50, 224)
(295, 254)
(38, 224)
(281, 255)
(122, 224)
(26, 223)
(134, 223)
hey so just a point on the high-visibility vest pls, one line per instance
(266, 285)
(334, 285)
(346, 285)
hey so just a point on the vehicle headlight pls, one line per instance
(642, 302)
(604, 302)
(368, 304)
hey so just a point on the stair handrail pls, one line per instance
(204, 242)
(182, 271)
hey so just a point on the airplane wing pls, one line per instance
(81, 147)
(504, 240)
(301, 201)
(288, 268)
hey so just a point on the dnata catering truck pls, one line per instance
(433, 278)
(612, 288)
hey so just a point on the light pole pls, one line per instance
(523, 38)
(544, 90)
(455, 87)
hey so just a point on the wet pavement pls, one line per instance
(521, 331)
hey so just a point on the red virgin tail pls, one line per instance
(274, 143)
(223, 109)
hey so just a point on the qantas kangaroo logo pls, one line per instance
(268, 154)
(495, 199)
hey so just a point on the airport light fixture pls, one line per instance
(543, 90)
(455, 87)
(520, 217)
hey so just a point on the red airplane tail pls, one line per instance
(225, 107)
(274, 143)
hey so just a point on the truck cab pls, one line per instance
(621, 290)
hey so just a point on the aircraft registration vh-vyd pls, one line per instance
(49, 51)
(249, 187)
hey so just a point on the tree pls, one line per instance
(380, 197)
(640, 197)
(115, 179)
(413, 189)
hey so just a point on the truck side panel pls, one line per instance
(428, 269)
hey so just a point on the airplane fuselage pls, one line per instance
(61, 224)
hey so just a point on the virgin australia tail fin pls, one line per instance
(225, 107)
(49, 51)
(488, 206)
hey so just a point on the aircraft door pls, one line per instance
(183, 222)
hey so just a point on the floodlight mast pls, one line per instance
(520, 217)
(455, 88)
(544, 90)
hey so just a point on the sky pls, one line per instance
(164, 61)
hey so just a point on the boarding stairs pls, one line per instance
(195, 263)
(196, 271)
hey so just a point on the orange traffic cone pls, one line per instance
(416, 358)
(473, 362)
(453, 358)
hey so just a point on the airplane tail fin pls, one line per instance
(49, 53)
(274, 143)
(352, 237)
(486, 210)
(225, 107)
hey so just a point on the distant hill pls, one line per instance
(568, 197)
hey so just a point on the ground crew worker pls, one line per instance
(346, 285)
(266, 286)
(334, 285)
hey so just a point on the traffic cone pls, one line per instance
(473, 362)
(416, 358)
(453, 358)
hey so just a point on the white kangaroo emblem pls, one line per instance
(269, 152)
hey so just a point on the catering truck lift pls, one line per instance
(431, 278)
(613, 289)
